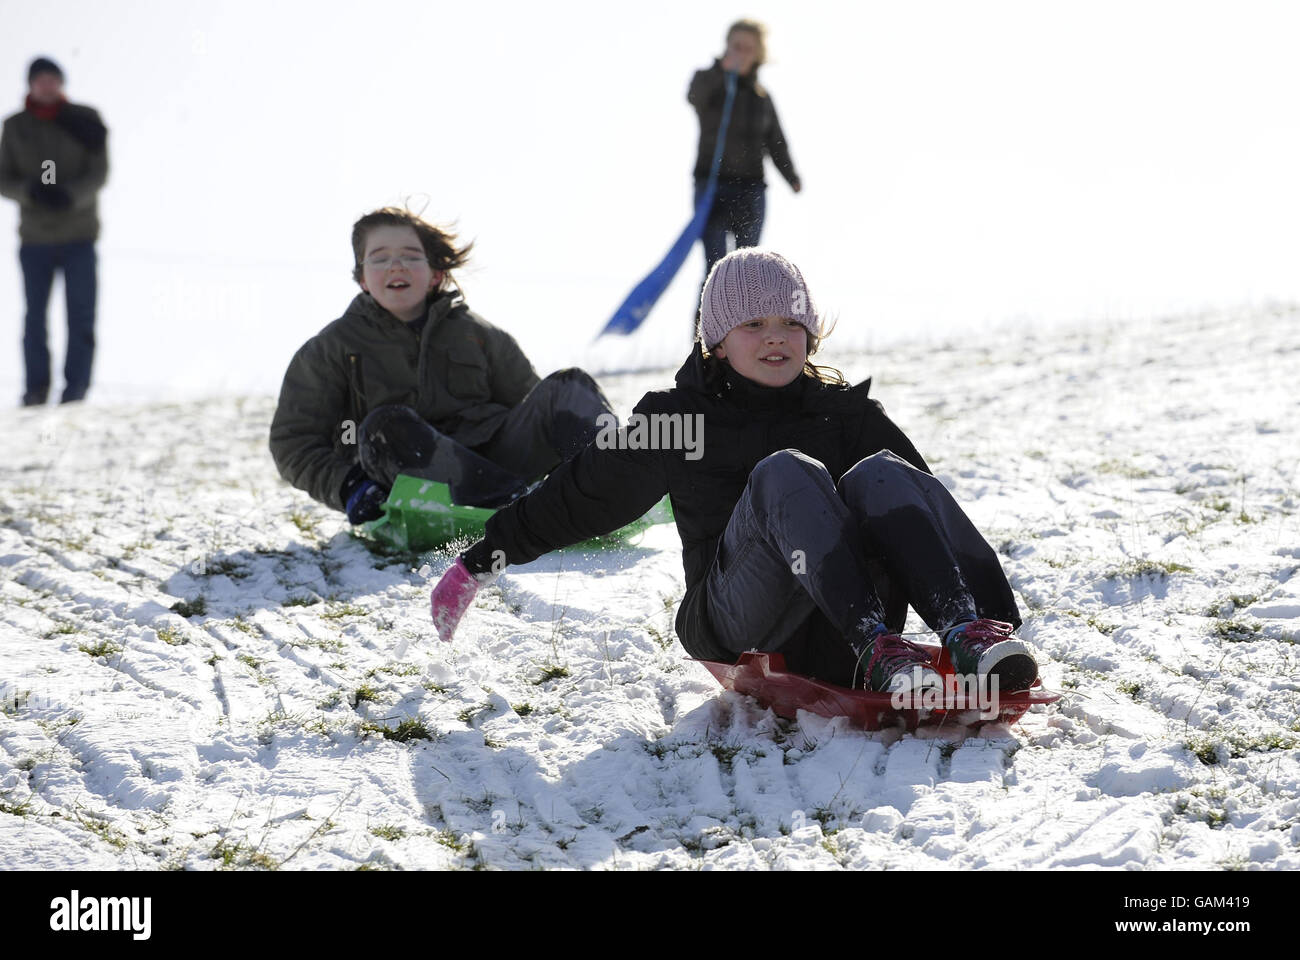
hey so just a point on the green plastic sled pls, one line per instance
(419, 515)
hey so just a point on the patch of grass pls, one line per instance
(1130, 687)
(522, 709)
(171, 636)
(226, 566)
(552, 673)
(243, 626)
(1239, 744)
(396, 669)
(16, 809)
(364, 694)
(197, 607)
(449, 840)
(1146, 568)
(105, 831)
(433, 687)
(304, 521)
(1205, 749)
(239, 854)
(343, 610)
(1124, 468)
(388, 832)
(664, 640)
(467, 715)
(247, 659)
(1237, 631)
(725, 754)
(412, 728)
(104, 648)
(301, 602)
(63, 629)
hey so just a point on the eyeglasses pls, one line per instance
(407, 260)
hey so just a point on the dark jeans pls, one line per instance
(738, 208)
(39, 261)
(804, 561)
(550, 425)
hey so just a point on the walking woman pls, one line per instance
(753, 130)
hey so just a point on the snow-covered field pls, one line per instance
(201, 668)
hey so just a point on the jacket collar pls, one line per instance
(441, 304)
(44, 111)
(750, 79)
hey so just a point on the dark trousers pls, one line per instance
(739, 207)
(39, 261)
(804, 561)
(556, 419)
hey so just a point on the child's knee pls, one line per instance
(569, 378)
(877, 468)
(785, 469)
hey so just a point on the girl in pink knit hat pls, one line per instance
(809, 522)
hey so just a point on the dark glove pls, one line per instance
(363, 498)
(49, 195)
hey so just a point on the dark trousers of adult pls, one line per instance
(739, 207)
(804, 561)
(554, 421)
(39, 262)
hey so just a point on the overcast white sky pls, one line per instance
(964, 164)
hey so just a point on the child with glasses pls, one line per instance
(410, 380)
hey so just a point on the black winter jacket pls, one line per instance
(753, 129)
(601, 489)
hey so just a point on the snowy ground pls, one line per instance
(202, 668)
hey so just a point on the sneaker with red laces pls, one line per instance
(895, 665)
(986, 648)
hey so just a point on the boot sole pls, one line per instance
(1012, 663)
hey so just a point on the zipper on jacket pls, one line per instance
(358, 387)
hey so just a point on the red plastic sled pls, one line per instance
(764, 677)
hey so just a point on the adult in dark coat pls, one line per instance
(754, 131)
(54, 161)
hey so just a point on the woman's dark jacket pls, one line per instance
(752, 130)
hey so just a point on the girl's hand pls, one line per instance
(451, 597)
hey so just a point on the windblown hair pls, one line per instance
(439, 244)
(760, 37)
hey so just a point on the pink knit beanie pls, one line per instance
(750, 283)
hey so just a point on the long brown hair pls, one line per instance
(439, 244)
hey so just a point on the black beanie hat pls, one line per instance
(43, 65)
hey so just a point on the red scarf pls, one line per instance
(45, 111)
